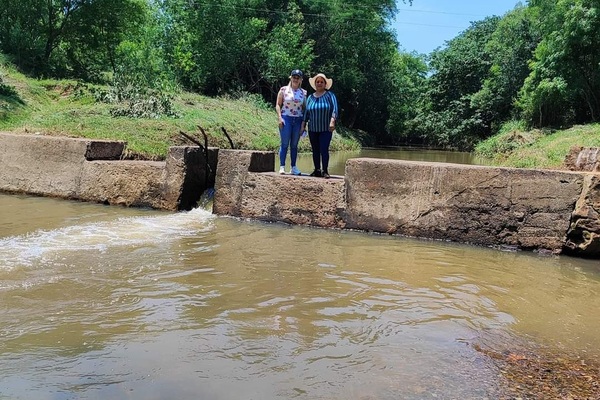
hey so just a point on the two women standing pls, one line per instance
(295, 111)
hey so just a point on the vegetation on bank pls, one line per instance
(143, 71)
(514, 146)
(75, 109)
(149, 122)
(538, 63)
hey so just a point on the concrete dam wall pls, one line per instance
(538, 210)
(92, 170)
(541, 210)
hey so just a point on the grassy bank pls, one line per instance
(73, 109)
(516, 147)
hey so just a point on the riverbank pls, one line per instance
(81, 110)
(149, 123)
(517, 147)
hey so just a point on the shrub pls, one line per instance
(131, 100)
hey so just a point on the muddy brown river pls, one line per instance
(104, 302)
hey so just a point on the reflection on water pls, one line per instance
(107, 302)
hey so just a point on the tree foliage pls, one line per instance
(68, 37)
(539, 63)
(409, 81)
(563, 86)
(221, 46)
(447, 116)
(510, 47)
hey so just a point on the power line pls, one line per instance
(328, 2)
(267, 11)
(283, 12)
(431, 25)
(441, 12)
(369, 8)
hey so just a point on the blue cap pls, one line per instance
(297, 72)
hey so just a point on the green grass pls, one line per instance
(68, 108)
(516, 147)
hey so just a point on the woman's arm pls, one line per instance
(334, 111)
(278, 104)
(306, 115)
(304, 100)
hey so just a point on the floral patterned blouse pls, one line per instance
(293, 101)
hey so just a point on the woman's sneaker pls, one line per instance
(317, 173)
(282, 170)
(295, 171)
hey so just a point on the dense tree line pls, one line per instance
(539, 63)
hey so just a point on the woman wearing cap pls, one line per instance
(320, 114)
(290, 104)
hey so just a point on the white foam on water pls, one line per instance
(25, 250)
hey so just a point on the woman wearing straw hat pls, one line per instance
(290, 104)
(320, 114)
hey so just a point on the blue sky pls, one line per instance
(428, 24)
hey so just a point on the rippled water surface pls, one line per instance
(106, 302)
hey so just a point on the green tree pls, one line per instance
(354, 45)
(67, 37)
(408, 82)
(564, 84)
(281, 49)
(96, 32)
(223, 46)
(233, 45)
(511, 47)
(22, 33)
(446, 116)
(141, 60)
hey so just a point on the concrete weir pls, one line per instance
(92, 170)
(540, 210)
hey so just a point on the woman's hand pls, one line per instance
(332, 125)
(281, 123)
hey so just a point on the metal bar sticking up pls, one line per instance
(228, 138)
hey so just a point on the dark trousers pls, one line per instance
(319, 142)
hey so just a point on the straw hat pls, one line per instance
(328, 82)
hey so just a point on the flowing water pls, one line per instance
(103, 302)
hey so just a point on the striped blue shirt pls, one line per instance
(319, 111)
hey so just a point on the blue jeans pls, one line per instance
(319, 142)
(290, 136)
